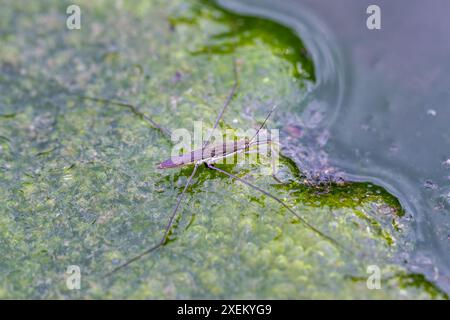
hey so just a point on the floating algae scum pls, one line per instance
(209, 155)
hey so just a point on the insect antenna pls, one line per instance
(264, 123)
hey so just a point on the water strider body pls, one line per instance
(209, 154)
(213, 153)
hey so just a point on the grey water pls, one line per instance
(386, 96)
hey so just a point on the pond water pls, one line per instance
(388, 106)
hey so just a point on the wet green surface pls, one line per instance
(78, 179)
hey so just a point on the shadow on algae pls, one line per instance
(78, 178)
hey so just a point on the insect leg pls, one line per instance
(134, 110)
(167, 229)
(227, 102)
(307, 224)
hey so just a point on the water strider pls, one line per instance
(208, 155)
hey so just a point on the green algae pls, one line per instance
(79, 185)
(243, 30)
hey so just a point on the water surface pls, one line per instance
(388, 108)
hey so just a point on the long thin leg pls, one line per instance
(167, 229)
(133, 109)
(314, 229)
(225, 105)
